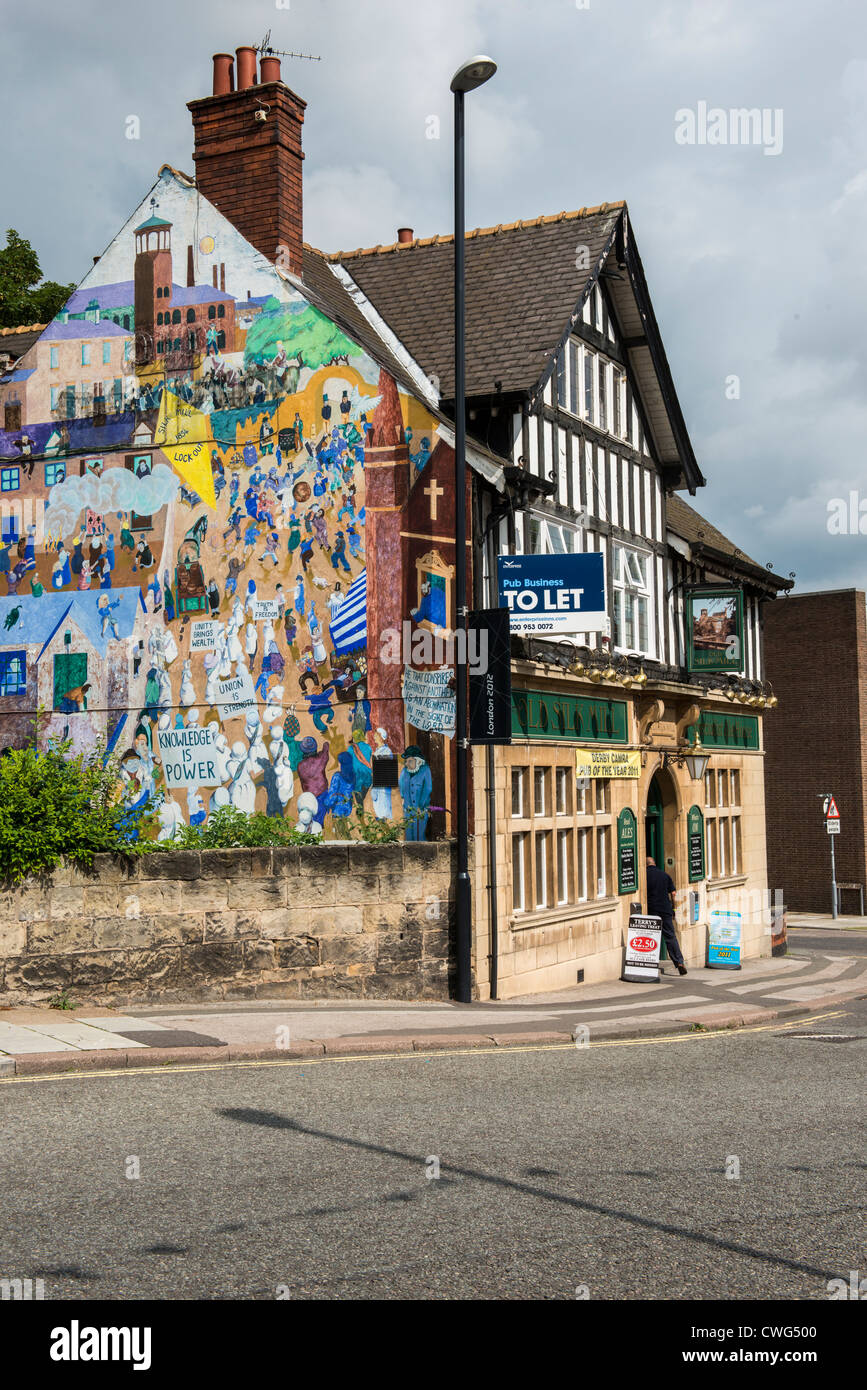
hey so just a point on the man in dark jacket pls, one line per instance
(660, 903)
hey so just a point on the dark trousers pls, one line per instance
(671, 942)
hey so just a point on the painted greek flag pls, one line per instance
(349, 628)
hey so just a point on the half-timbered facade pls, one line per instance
(567, 378)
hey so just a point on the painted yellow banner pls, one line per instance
(184, 435)
(607, 762)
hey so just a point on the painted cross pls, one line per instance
(433, 491)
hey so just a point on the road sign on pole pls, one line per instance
(832, 827)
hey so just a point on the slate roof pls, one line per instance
(336, 301)
(523, 283)
(690, 526)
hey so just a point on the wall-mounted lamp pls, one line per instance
(696, 762)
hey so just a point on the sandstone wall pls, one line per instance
(318, 922)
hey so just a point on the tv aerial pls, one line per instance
(265, 50)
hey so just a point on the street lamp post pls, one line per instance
(469, 76)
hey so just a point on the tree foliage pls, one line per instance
(57, 805)
(23, 299)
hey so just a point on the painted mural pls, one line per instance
(186, 566)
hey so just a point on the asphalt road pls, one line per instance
(849, 943)
(603, 1167)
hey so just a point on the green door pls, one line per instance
(653, 825)
(654, 837)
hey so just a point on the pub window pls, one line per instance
(10, 479)
(221, 311)
(723, 822)
(106, 352)
(544, 537)
(540, 792)
(583, 860)
(176, 316)
(85, 354)
(562, 851)
(519, 872)
(575, 377)
(602, 413)
(159, 317)
(543, 858)
(617, 380)
(588, 385)
(632, 599)
(177, 344)
(564, 866)
(212, 311)
(519, 782)
(191, 316)
(54, 357)
(602, 861)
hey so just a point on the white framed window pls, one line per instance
(584, 858)
(519, 793)
(564, 866)
(602, 861)
(564, 792)
(540, 792)
(543, 896)
(545, 537)
(519, 872)
(633, 600)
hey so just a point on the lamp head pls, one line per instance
(473, 73)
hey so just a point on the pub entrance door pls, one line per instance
(654, 833)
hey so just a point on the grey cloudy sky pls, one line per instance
(755, 262)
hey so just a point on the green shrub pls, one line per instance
(228, 828)
(57, 805)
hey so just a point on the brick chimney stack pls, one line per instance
(248, 154)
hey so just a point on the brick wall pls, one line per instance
(313, 922)
(816, 658)
(250, 171)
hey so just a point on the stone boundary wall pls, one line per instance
(312, 922)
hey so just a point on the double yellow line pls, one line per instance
(169, 1069)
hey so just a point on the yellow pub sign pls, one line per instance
(607, 762)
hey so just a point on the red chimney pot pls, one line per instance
(405, 235)
(224, 76)
(269, 70)
(246, 67)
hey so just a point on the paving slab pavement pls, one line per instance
(45, 1041)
